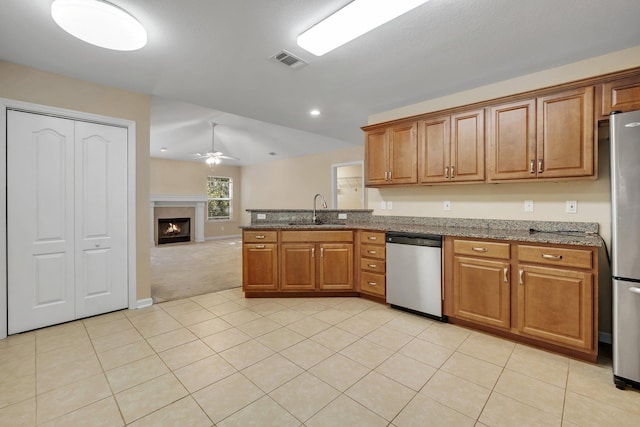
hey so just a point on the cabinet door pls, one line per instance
(260, 266)
(376, 152)
(403, 154)
(565, 134)
(512, 141)
(620, 95)
(298, 266)
(556, 305)
(433, 150)
(336, 266)
(467, 146)
(481, 291)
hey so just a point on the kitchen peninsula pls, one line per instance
(531, 281)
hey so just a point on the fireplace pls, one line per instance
(174, 230)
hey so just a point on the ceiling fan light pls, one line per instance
(352, 21)
(212, 160)
(99, 23)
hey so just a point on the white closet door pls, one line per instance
(40, 221)
(101, 218)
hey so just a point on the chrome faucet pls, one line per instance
(324, 205)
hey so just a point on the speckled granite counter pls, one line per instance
(556, 232)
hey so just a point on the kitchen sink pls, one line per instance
(309, 223)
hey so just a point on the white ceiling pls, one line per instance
(209, 60)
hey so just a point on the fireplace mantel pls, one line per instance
(196, 201)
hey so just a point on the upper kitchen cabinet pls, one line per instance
(546, 137)
(451, 148)
(619, 95)
(391, 155)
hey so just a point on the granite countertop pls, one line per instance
(519, 235)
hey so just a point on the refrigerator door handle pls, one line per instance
(635, 290)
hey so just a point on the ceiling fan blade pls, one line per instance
(228, 157)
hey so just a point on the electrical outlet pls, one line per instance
(389, 205)
(528, 205)
(572, 206)
(447, 205)
(342, 216)
(383, 205)
(262, 216)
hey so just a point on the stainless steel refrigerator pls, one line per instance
(625, 246)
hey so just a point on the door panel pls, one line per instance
(40, 264)
(101, 218)
(467, 146)
(433, 150)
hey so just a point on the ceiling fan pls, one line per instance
(214, 157)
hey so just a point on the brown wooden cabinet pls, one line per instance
(546, 137)
(556, 295)
(259, 261)
(545, 295)
(316, 260)
(391, 155)
(372, 263)
(481, 282)
(451, 148)
(618, 95)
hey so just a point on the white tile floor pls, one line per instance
(223, 360)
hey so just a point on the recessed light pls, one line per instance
(99, 23)
(314, 112)
(163, 149)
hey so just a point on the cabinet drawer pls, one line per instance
(622, 95)
(259, 236)
(480, 248)
(373, 251)
(317, 236)
(372, 283)
(377, 266)
(373, 237)
(579, 258)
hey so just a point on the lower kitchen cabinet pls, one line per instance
(372, 263)
(482, 291)
(259, 261)
(298, 266)
(556, 305)
(336, 266)
(543, 295)
(310, 266)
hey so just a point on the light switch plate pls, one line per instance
(383, 205)
(389, 205)
(528, 205)
(342, 216)
(262, 216)
(572, 206)
(447, 205)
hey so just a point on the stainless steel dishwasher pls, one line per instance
(414, 273)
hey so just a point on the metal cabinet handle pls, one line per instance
(634, 290)
(372, 265)
(540, 169)
(532, 166)
(372, 238)
(260, 246)
(554, 257)
(521, 279)
(478, 249)
(390, 176)
(446, 172)
(321, 252)
(259, 236)
(372, 252)
(313, 252)
(372, 284)
(506, 272)
(453, 172)
(386, 175)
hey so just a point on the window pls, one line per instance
(219, 195)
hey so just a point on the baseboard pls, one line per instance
(231, 236)
(605, 337)
(143, 303)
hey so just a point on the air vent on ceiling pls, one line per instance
(288, 59)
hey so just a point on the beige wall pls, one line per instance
(175, 177)
(291, 183)
(38, 87)
(349, 186)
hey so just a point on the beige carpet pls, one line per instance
(184, 270)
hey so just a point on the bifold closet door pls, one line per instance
(66, 220)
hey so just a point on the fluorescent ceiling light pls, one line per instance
(99, 23)
(352, 21)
